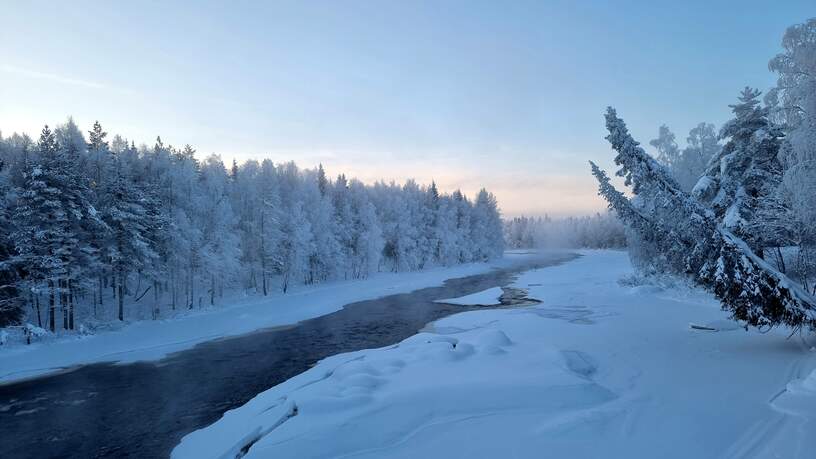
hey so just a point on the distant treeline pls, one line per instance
(600, 231)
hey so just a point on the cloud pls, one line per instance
(52, 77)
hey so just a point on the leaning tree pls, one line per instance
(695, 244)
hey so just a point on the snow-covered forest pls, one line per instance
(599, 231)
(743, 224)
(90, 223)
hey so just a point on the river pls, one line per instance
(143, 409)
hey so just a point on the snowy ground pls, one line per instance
(152, 340)
(598, 369)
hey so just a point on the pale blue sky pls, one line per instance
(505, 94)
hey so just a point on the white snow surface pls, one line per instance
(598, 369)
(153, 340)
(489, 297)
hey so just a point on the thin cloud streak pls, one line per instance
(52, 77)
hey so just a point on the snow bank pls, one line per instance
(153, 340)
(489, 297)
(383, 402)
(799, 397)
(595, 370)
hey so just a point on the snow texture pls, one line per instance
(598, 369)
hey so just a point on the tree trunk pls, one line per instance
(156, 307)
(263, 257)
(51, 307)
(138, 284)
(173, 286)
(37, 302)
(212, 289)
(70, 305)
(64, 303)
(192, 289)
(121, 299)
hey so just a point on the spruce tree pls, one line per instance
(745, 174)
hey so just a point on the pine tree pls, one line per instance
(322, 181)
(127, 219)
(11, 301)
(746, 173)
(50, 212)
(98, 149)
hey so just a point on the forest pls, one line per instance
(88, 224)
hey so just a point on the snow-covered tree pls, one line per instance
(746, 173)
(702, 145)
(486, 232)
(11, 300)
(366, 233)
(794, 98)
(127, 250)
(296, 246)
(695, 241)
(53, 212)
(599, 231)
(668, 153)
(105, 223)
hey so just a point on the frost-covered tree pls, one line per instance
(486, 230)
(127, 249)
(688, 164)
(746, 173)
(668, 153)
(11, 296)
(219, 249)
(462, 210)
(98, 152)
(702, 145)
(795, 100)
(296, 246)
(53, 213)
(599, 231)
(366, 233)
(696, 242)
(102, 224)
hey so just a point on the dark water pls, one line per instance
(143, 409)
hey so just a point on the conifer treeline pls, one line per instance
(85, 221)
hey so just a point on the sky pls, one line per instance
(507, 95)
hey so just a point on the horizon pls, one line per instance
(471, 95)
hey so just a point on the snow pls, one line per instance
(153, 340)
(489, 297)
(799, 397)
(703, 186)
(598, 369)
